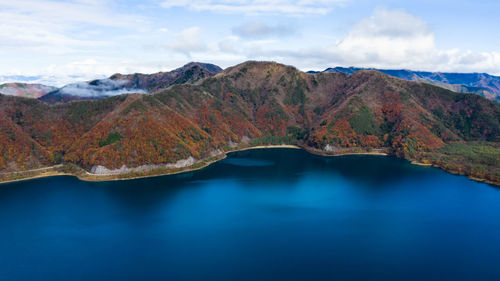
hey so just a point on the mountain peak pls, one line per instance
(207, 66)
(132, 83)
(260, 66)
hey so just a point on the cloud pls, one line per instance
(259, 29)
(390, 23)
(86, 11)
(188, 41)
(386, 39)
(57, 27)
(387, 36)
(99, 88)
(289, 7)
(397, 39)
(66, 41)
(229, 45)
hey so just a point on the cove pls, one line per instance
(271, 214)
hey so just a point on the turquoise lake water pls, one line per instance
(275, 214)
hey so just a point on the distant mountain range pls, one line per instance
(25, 90)
(482, 84)
(49, 80)
(197, 112)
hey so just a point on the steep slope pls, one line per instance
(25, 90)
(119, 84)
(140, 131)
(482, 84)
(189, 73)
(257, 103)
(366, 110)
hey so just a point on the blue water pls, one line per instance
(279, 214)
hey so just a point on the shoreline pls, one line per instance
(203, 164)
(421, 164)
(346, 153)
(44, 175)
(265, 147)
(86, 176)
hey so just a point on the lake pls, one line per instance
(273, 214)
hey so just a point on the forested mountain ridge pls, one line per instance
(131, 83)
(257, 103)
(482, 84)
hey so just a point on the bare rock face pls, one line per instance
(101, 170)
(331, 148)
(214, 153)
(182, 163)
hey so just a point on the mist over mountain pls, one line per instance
(90, 90)
(119, 84)
(482, 84)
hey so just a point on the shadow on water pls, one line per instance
(290, 165)
(267, 166)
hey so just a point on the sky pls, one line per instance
(63, 41)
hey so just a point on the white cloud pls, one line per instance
(290, 7)
(104, 87)
(86, 11)
(229, 45)
(390, 23)
(21, 33)
(188, 41)
(397, 39)
(387, 39)
(54, 27)
(85, 39)
(258, 29)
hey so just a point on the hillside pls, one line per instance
(482, 84)
(257, 103)
(119, 84)
(25, 90)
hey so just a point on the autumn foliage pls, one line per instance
(249, 101)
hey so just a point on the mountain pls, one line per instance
(482, 84)
(25, 90)
(119, 84)
(189, 73)
(256, 103)
(20, 79)
(95, 89)
(47, 79)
